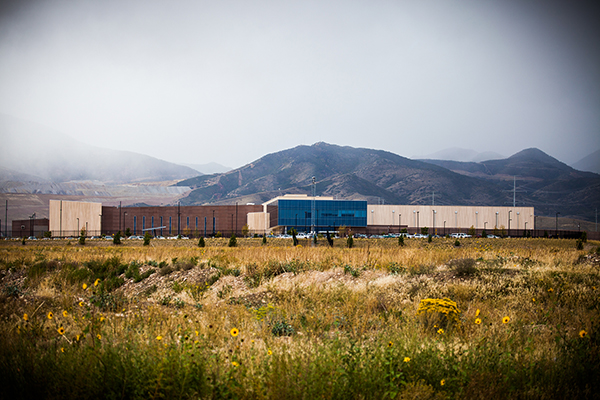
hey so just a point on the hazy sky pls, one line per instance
(230, 81)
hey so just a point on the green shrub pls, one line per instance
(282, 328)
(117, 238)
(232, 241)
(201, 242)
(579, 244)
(401, 240)
(147, 238)
(456, 243)
(264, 240)
(350, 242)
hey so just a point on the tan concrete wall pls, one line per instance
(456, 217)
(64, 215)
(258, 222)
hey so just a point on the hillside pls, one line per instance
(347, 172)
(379, 176)
(542, 181)
(33, 149)
(589, 163)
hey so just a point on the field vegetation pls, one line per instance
(489, 318)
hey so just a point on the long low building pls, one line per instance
(301, 212)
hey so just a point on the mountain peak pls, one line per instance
(534, 154)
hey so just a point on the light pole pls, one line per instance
(556, 228)
(213, 211)
(393, 219)
(417, 222)
(456, 220)
(433, 228)
(414, 218)
(476, 219)
(509, 211)
(484, 225)
(496, 226)
(399, 222)
(78, 226)
(444, 228)
(526, 228)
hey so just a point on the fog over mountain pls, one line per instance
(41, 152)
(590, 163)
(459, 154)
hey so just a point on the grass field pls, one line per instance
(490, 318)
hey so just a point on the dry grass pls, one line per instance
(312, 320)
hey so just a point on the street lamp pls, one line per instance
(444, 228)
(556, 229)
(484, 225)
(213, 211)
(417, 222)
(433, 229)
(496, 226)
(476, 223)
(77, 225)
(393, 213)
(456, 220)
(509, 211)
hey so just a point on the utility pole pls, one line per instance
(433, 198)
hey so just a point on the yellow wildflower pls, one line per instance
(61, 330)
(478, 321)
(390, 344)
(102, 318)
(81, 304)
(96, 282)
(84, 286)
(235, 364)
(25, 317)
(62, 349)
(65, 313)
(159, 338)
(505, 320)
(99, 336)
(50, 315)
(477, 313)
(269, 352)
(442, 382)
(440, 331)
(582, 333)
(406, 359)
(234, 332)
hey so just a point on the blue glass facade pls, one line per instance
(329, 214)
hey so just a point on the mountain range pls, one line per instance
(530, 177)
(35, 159)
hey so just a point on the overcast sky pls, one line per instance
(230, 81)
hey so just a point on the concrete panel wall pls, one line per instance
(258, 222)
(67, 218)
(457, 218)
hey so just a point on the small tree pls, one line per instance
(147, 238)
(483, 234)
(429, 239)
(264, 240)
(245, 230)
(424, 230)
(127, 232)
(117, 238)
(232, 240)
(456, 243)
(218, 234)
(82, 237)
(294, 238)
(201, 242)
(315, 238)
(472, 230)
(584, 236)
(350, 241)
(401, 240)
